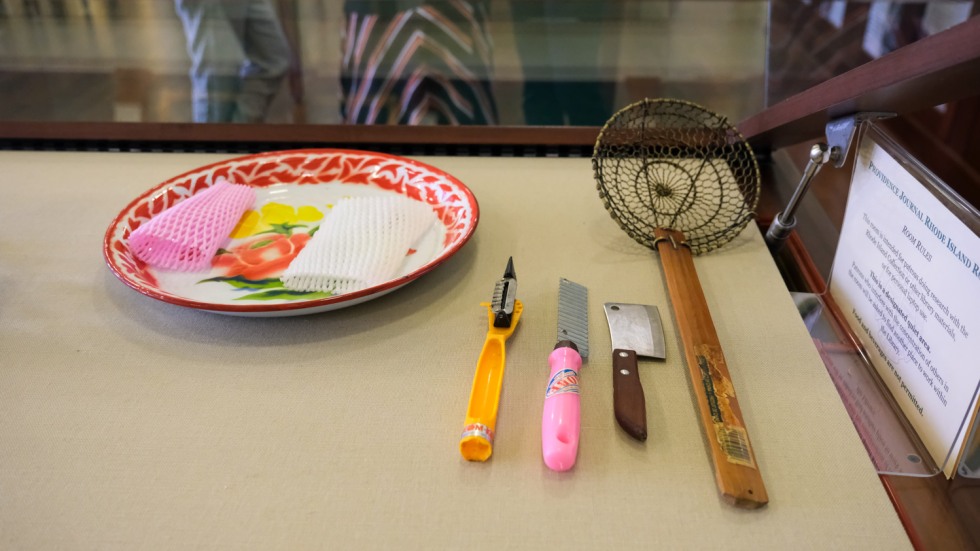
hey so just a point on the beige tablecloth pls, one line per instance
(129, 423)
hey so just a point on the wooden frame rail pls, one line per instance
(281, 136)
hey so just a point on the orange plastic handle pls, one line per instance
(476, 442)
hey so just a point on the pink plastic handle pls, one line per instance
(562, 412)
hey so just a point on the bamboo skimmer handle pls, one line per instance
(736, 471)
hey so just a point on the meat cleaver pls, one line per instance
(636, 331)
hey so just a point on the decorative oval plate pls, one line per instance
(294, 192)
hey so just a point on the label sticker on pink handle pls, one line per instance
(562, 382)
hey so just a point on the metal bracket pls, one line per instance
(840, 134)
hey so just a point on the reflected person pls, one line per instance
(239, 57)
(417, 62)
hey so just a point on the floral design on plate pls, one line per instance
(266, 241)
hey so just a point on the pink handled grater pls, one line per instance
(561, 415)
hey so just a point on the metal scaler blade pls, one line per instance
(573, 315)
(504, 295)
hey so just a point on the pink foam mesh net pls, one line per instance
(186, 236)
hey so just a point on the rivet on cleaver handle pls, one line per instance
(636, 331)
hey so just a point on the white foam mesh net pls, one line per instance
(363, 242)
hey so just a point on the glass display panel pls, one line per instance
(445, 62)
(814, 41)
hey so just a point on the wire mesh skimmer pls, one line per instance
(681, 180)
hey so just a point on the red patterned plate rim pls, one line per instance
(454, 203)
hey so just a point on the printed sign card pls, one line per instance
(907, 278)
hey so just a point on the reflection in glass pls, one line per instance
(239, 57)
(416, 61)
(505, 62)
(811, 42)
(563, 82)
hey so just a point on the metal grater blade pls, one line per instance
(573, 315)
(504, 296)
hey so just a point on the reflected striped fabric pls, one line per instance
(427, 63)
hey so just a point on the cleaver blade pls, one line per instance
(636, 327)
(635, 331)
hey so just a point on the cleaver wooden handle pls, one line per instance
(736, 471)
(629, 403)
